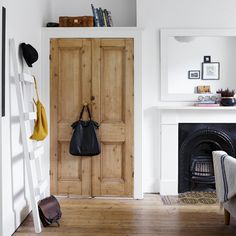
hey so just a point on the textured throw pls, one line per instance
(225, 175)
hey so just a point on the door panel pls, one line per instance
(102, 69)
(70, 80)
(112, 89)
(68, 163)
(115, 98)
(70, 98)
(112, 155)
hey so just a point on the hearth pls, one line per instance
(196, 143)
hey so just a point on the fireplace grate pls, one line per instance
(202, 170)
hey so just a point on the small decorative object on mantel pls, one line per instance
(207, 101)
(203, 89)
(227, 97)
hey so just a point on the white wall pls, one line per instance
(123, 11)
(153, 15)
(24, 21)
(183, 57)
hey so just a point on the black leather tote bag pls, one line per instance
(84, 141)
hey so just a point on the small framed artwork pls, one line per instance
(211, 71)
(207, 59)
(194, 74)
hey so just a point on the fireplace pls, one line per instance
(196, 143)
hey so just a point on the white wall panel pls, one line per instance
(24, 21)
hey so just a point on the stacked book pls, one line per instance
(102, 17)
(207, 104)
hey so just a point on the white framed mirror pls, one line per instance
(182, 58)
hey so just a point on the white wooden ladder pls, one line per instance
(32, 149)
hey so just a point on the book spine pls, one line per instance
(94, 16)
(100, 17)
(110, 18)
(97, 19)
(107, 18)
(104, 18)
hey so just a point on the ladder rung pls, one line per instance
(36, 153)
(41, 187)
(27, 78)
(30, 115)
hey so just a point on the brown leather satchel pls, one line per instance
(49, 211)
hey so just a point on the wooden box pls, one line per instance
(76, 21)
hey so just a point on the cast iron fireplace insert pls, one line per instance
(196, 143)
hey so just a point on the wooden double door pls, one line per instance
(100, 70)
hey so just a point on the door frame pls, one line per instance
(127, 32)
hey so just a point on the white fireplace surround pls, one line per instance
(170, 117)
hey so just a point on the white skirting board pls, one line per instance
(169, 187)
(151, 185)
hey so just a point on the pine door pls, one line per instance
(100, 70)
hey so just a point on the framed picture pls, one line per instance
(211, 71)
(207, 59)
(194, 74)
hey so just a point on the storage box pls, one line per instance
(76, 21)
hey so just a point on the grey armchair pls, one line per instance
(225, 178)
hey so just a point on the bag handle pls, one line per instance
(82, 112)
(36, 89)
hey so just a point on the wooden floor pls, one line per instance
(89, 217)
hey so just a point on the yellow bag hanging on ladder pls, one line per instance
(41, 125)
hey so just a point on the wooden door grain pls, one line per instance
(101, 70)
(70, 83)
(112, 88)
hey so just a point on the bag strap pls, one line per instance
(82, 112)
(90, 117)
(36, 89)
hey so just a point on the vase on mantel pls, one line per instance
(228, 101)
(227, 97)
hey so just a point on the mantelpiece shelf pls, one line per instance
(191, 107)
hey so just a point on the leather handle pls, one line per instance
(82, 112)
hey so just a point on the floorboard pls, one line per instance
(90, 217)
